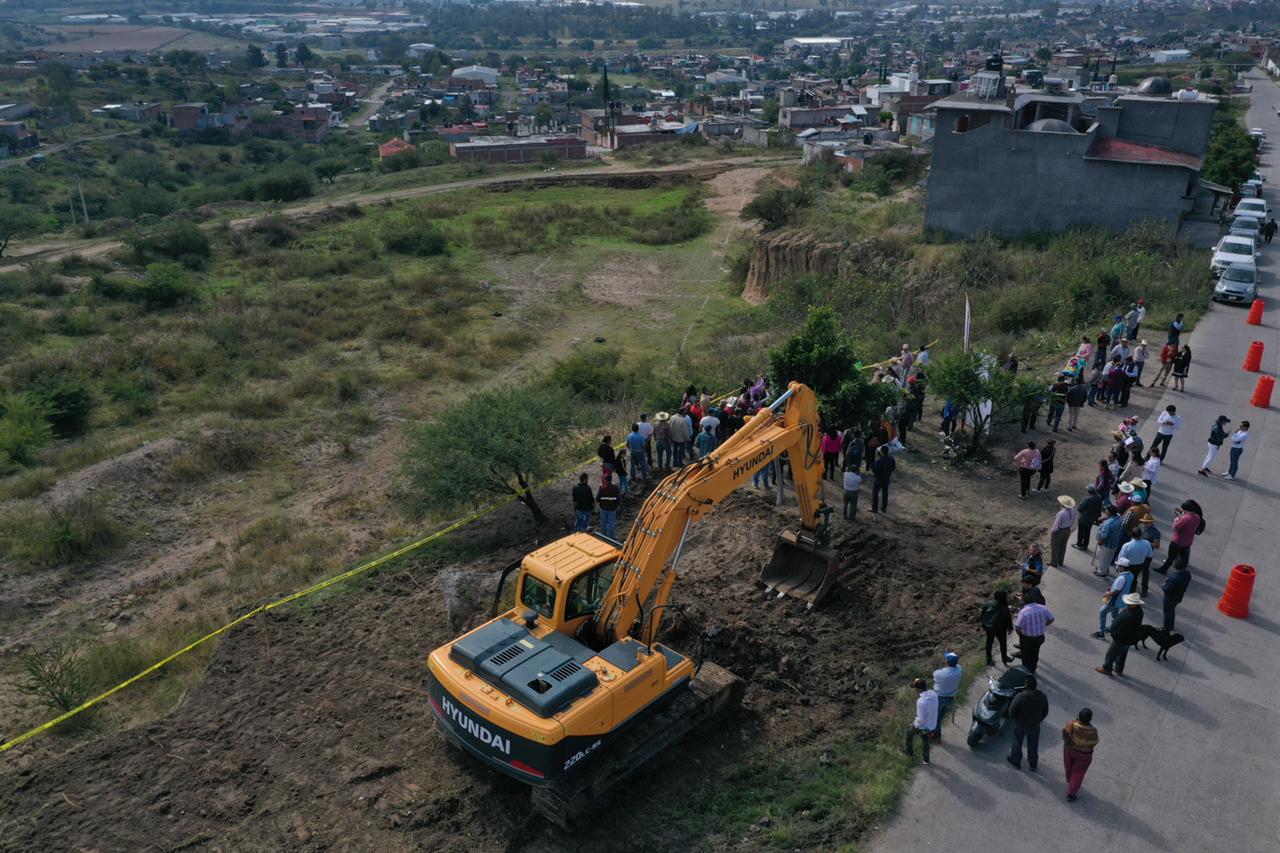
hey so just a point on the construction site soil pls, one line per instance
(311, 729)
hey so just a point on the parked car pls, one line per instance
(1252, 188)
(1253, 207)
(1259, 177)
(1233, 249)
(1257, 133)
(1239, 283)
(1246, 225)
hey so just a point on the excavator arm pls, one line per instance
(645, 570)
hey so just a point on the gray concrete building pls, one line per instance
(1043, 160)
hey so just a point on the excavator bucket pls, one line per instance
(800, 568)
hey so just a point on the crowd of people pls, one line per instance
(1113, 522)
(701, 423)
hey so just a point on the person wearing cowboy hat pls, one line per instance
(662, 439)
(1126, 497)
(1060, 531)
(1120, 587)
(1125, 633)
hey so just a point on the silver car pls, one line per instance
(1239, 283)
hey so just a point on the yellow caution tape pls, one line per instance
(280, 602)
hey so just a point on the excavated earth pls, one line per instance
(312, 730)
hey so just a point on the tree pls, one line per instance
(823, 357)
(143, 168)
(604, 87)
(769, 110)
(982, 390)
(282, 56)
(328, 170)
(14, 222)
(304, 53)
(498, 442)
(254, 57)
(55, 90)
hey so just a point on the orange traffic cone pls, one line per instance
(1253, 359)
(1235, 598)
(1262, 392)
(1255, 313)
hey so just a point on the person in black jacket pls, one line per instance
(1088, 513)
(997, 621)
(881, 471)
(1126, 630)
(584, 504)
(1175, 587)
(1027, 710)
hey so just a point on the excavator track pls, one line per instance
(713, 691)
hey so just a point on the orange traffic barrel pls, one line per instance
(1235, 598)
(1255, 313)
(1262, 392)
(1253, 359)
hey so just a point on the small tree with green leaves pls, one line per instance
(983, 391)
(499, 442)
(823, 357)
(57, 675)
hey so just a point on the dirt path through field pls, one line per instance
(52, 250)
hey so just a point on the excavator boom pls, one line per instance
(645, 573)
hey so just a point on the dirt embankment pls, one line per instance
(311, 729)
(775, 258)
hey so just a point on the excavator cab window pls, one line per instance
(537, 596)
(587, 591)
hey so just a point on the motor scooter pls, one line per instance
(992, 709)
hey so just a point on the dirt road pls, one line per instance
(55, 250)
(377, 98)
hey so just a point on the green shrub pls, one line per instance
(220, 452)
(67, 402)
(414, 237)
(177, 241)
(1021, 309)
(286, 185)
(57, 675)
(165, 286)
(24, 429)
(73, 531)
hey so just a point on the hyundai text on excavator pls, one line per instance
(568, 690)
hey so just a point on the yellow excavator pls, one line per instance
(567, 688)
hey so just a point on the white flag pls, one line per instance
(967, 320)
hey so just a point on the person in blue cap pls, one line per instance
(946, 683)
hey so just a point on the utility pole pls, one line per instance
(84, 208)
(71, 205)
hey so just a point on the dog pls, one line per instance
(1164, 639)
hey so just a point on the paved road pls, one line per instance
(376, 99)
(1189, 758)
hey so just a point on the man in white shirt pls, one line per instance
(852, 483)
(1167, 424)
(925, 722)
(1238, 438)
(709, 421)
(646, 430)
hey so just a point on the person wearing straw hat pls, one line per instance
(662, 439)
(1060, 531)
(1120, 587)
(1125, 633)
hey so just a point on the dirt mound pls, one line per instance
(312, 728)
(129, 472)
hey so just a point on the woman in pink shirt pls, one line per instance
(1084, 352)
(1188, 523)
(1028, 460)
(830, 453)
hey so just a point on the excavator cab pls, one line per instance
(803, 564)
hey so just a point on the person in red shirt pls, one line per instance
(1188, 523)
(1166, 364)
